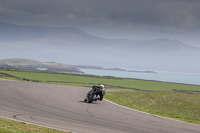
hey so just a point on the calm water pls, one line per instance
(166, 77)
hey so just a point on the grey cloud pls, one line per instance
(161, 16)
(177, 13)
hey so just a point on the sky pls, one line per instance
(111, 19)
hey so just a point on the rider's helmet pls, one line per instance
(102, 89)
(101, 85)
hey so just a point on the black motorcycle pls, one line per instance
(94, 94)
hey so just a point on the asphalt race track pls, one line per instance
(62, 107)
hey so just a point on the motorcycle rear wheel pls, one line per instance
(92, 98)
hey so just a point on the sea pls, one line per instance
(193, 79)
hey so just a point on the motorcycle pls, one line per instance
(92, 95)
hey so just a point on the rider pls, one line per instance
(101, 91)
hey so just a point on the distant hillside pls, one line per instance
(10, 32)
(36, 65)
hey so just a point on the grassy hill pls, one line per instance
(36, 65)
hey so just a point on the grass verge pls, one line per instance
(8, 126)
(184, 107)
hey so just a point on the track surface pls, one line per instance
(62, 107)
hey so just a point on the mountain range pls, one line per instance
(70, 45)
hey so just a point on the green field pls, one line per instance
(177, 101)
